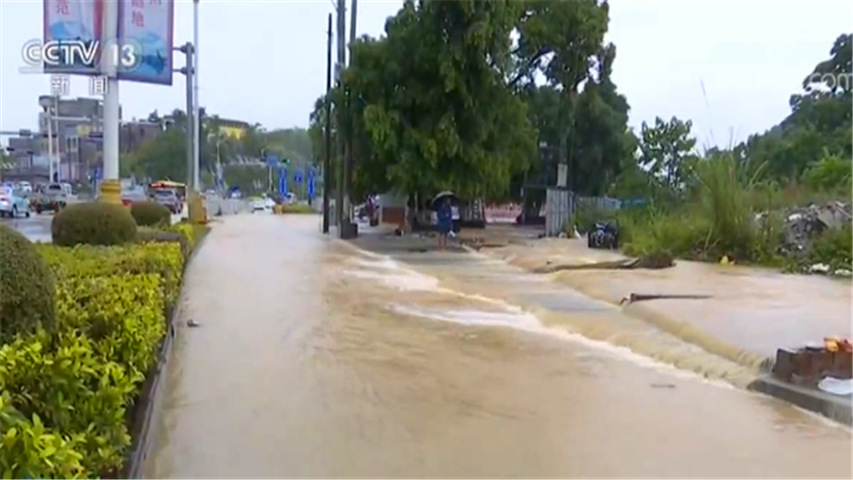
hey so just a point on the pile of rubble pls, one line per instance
(802, 225)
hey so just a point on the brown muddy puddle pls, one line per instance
(314, 360)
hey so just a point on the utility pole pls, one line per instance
(348, 167)
(196, 183)
(188, 50)
(341, 64)
(327, 162)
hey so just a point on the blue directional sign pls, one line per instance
(282, 180)
(272, 160)
(297, 177)
(311, 183)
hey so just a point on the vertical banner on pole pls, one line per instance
(69, 20)
(282, 180)
(310, 184)
(145, 32)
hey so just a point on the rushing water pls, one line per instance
(751, 309)
(314, 359)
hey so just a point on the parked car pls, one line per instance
(50, 198)
(25, 187)
(133, 194)
(261, 204)
(169, 199)
(13, 203)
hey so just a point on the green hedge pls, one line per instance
(67, 394)
(149, 214)
(93, 223)
(26, 286)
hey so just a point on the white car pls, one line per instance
(263, 204)
(25, 187)
(13, 203)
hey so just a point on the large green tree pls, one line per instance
(563, 43)
(427, 105)
(666, 148)
(819, 124)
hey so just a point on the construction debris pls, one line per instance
(811, 364)
(802, 225)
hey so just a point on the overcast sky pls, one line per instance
(264, 61)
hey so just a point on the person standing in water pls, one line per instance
(444, 215)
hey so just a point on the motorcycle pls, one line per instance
(603, 235)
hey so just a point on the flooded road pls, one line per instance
(757, 310)
(316, 360)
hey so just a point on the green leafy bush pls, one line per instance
(192, 233)
(63, 381)
(148, 214)
(294, 209)
(91, 306)
(26, 286)
(67, 393)
(156, 235)
(834, 248)
(93, 223)
(164, 259)
(31, 450)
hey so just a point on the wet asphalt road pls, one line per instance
(36, 228)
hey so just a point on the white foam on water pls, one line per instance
(400, 281)
(517, 319)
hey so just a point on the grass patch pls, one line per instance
(295, 209)
(726, 211)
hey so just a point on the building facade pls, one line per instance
(78, 135)
(135, 134)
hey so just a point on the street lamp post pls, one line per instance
(47, 104)
(187, 49)
(110, 187)
(196, 119)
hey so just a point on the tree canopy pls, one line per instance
(446, 99)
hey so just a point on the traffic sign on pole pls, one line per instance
(282, 180)
(297, 177)
(310, 184)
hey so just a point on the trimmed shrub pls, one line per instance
(26, 286)
(300, 209)
(149, 214)
(82, 261)
(93, 223)
(192, 233)
(68, 394)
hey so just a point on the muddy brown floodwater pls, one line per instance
(316, 360)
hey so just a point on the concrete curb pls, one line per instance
(151, 395)
(834, 407)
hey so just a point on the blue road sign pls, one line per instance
(297, 177)
(310, 183)
(272, 160)
(282, 180)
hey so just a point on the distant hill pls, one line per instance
(293, 143)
